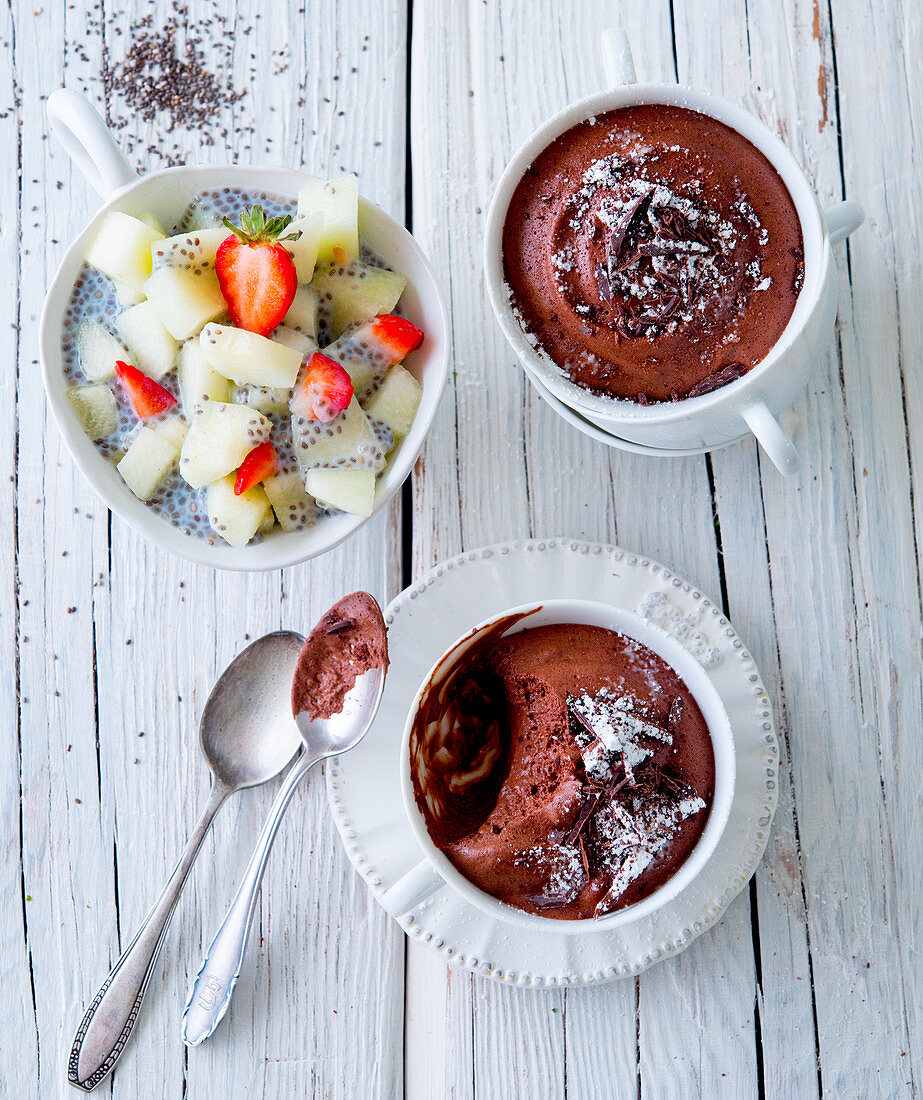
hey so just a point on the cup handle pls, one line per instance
(773, 438)
(617, 63)
(843, 218)
(410, 889)
(88, 142)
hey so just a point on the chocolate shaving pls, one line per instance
(339, 626)
(584, 858)
(620, 229)
(722, 377)
(602, 281)
(549, 901)
(586, 812)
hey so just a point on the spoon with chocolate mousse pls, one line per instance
(338, 684)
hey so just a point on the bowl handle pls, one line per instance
(773, 438)
(617, 63)
(88, 142)
(410, 889)
(843, 218)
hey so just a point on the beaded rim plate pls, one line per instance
(363, 786)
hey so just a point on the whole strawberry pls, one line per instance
(256, 274)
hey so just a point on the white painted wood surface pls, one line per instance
(811, 985)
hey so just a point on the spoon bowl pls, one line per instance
(247, 733)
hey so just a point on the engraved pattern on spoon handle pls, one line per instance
(109, 1021)
(213, 987)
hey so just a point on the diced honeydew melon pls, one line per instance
(265, 399)
(147, 462)
(153, 350)
(122, 249)
(292, 338)
(349, 490)
(245, 357)
(355, 292)
(269, 521)
(98, 351)
(293, 507)
(304, 250)
(302, 313)
(192, 251)
(198, 379)
(173, 430)
(236, 518)
(150, 220)
(184, 300)
(199, 216)
(396, 401)
(346, 441)
(126, 295)
(95, 406)
(338, 201)
(220, 436)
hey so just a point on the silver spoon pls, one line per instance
(247, 736)
(335, 695)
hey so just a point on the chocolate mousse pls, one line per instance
(347, 641)
(653, 253)
(566, 769)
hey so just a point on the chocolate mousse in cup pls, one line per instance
(660, 264)
(566, 767)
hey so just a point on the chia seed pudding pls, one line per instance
(300, 442)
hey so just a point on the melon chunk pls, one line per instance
(265, 399)
(236, 518)
(304, 250)
(349, 490)
(173, 430)
(293, 507)
(396, 401)
(153, 349)
(220, 437)
(198, 379)
(346, 441)
(338, 201)
(355, 292)
(98, 351)
(122, 249)
(184, 300)
(191, 251)
(147, 462)
(126, 295)
(245, 357)
(292, 338)
(302, 313)
(96, 408)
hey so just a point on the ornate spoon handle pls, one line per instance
(110, 1019)
(211, 992)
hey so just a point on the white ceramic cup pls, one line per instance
(165, 194)
(752, 402)
(435, 871)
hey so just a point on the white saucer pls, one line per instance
(594, 431)
(364, 788)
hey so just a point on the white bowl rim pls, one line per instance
(814, 234)
(282, 548)
(685, 664)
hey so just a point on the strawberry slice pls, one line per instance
(397, 335)
(255, 272)
(323, 391)
(259, 464)
(147, 397)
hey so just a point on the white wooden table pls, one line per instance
(812, 984)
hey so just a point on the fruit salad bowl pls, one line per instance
(164, 195)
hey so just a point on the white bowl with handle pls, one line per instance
(751, 403)
(165, 194)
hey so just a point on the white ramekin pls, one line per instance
(435, 870)
(752, 402)
(165, 194)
